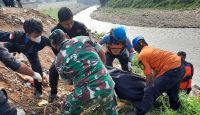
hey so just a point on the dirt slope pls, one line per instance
(21, 95)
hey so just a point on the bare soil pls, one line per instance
(20, 94)
(162, 18)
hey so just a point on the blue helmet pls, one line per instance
(135, 41)
(119, 34)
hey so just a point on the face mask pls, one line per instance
(38, 39)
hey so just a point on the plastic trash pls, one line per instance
(28, 84)
(43, 102)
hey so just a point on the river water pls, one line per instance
(170, 39)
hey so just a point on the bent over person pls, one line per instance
(72, 29)
(168, 72)
(189, 71)
(29, 42)
(78, 62)
(10, 61)
(117, 45)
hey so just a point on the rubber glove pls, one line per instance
(129, 66)
(37, 76)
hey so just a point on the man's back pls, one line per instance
(79, 61)
(160, 60)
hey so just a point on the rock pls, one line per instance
(89, 30)
(10, 89)
(60, 89)
(68, 92)
(61, 95)
(21, 58)
(195, 90)
(25, 10)
(20, 112)
(21, 19)
(49, 22)
(145, 15)
(38, 19)
(17, 20)
(9, 17)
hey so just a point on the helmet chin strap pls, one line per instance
(141, 43)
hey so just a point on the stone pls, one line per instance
(49, 22)
(10, 89)
(22, 19)
(20, 112)
(9, 17)
(25, 10)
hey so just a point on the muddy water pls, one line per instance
(171, 39)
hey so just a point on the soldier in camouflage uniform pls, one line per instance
(78, 61)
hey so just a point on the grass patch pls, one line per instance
(110, 11)
(171, 4)
(136, 68)
(51, 12)
(189, 105)
(99, 35)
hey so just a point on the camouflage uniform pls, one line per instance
(78, 61)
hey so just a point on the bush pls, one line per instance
(189, 105)
(182, 4)
(99, 35)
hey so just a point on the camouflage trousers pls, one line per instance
(73, 106)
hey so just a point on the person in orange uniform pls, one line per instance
(189, 70)
(164, 71)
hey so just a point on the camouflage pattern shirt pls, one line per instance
(79, 61)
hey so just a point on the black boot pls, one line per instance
(51, 97)
(38, 93)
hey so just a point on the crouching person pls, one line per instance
(79, 61)
(168, 72)
(9, 61)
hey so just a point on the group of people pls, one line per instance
(80, 61)
(11, 3)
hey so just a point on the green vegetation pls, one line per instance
(189, 105)
(99, 35)
(51, 12)
(180, 4)
(135, 67)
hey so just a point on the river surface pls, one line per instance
(170, 39)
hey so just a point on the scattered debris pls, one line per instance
(19, 89)
(43, 102)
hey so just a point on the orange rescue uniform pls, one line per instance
(159, 60)
(187, 79)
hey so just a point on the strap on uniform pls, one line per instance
(188, 78)
(111, 39)
(124, 46)
(111, 42)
